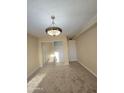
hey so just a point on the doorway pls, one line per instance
(53, 52)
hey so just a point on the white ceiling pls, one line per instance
(71, 15)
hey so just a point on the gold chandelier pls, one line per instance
(53, 30)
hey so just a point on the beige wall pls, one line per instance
(47, 51)
(32, 54)
(87, 49)
(72, 51)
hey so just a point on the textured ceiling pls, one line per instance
(71, 15)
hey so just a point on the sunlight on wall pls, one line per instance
(57, 57)
(52, 55)
(51, 58)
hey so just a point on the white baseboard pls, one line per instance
(73, 60)
(88, 69)
(33, 71)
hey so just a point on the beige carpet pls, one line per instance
(63, 79)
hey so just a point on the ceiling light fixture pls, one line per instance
(53, 30)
